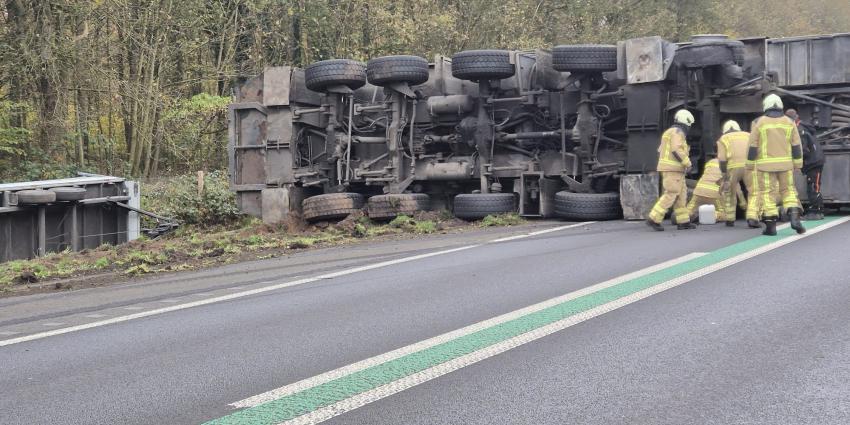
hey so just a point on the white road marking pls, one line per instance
(170, 301)
(95, 316)
(53, 324)
(419, 346)
(541, 232)
(409, 381)
(8, 333)
(247, 293)
(133, 308)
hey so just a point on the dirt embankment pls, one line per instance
(193, 248)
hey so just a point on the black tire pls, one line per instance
(712, 53)
(335, 72)
(585, 58)
(387, 207)
(475, 206)
(35, 197)
(386, 70)
(477, 65)
(722, 39)
(588, 206)
(69, 194)
(332, 206)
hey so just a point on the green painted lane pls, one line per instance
(326, 394)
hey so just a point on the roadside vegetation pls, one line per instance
(212, 232)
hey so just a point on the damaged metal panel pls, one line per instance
(276, 86)
(647, 59)
(84, 224)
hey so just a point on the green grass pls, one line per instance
(508, 219)
(192, 247)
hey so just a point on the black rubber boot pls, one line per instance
(753, 224)
(654, 226)
(686, 226)
(769, 226)
(730, 224)
(794, 218)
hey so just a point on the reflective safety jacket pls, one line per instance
(775, 144)
(673, 140)
(732, 149)
(708, 185)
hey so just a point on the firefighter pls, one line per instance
(732, 156)
(673, 164)
(708, 192)
(813, 161)
(774, 153)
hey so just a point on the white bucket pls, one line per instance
(707, 215)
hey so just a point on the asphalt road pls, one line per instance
(758, 340)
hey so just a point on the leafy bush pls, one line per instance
(178, 197)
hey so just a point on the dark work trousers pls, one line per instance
(813, 180)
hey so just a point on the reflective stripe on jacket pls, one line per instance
(673, 140)
(708, 185)
(732, 147)
(773, 139)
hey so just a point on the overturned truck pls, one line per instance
(570, 132)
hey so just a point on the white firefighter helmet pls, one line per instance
(731, 125)
(684, 117)
(772, 101)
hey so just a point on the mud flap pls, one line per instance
(638, 193)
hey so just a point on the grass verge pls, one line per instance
(193, 247)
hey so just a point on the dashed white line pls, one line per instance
(9, 333)
(53, 324)
(95, 316)
(133, 308)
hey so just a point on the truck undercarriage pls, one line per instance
(570, 132)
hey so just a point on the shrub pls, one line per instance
(178, 197)
(507, 219)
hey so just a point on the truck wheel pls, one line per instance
(69, 194)
(588, 206)
(386, 207)
(332, 206)
(474, 206)
(704, 54)
(476, 65)
(585, 58)
(35, 197)
(412, 70)
(335, 72)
